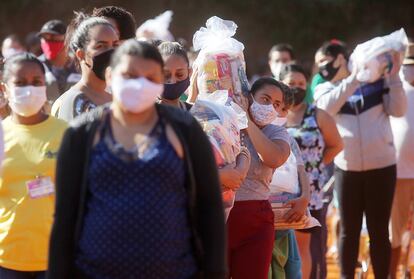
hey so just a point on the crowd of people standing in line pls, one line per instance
(106, 174)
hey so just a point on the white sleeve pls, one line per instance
(331, 98)
(395, 103)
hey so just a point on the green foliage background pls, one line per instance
(303, 23)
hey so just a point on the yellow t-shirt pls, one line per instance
(25, 222)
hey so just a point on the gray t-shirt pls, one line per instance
(256, 184)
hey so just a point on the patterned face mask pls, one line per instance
(262, 114)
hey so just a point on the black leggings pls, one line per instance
(370, 192)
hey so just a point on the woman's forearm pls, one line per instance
(272, 153)
(243, 162)
(330, 153)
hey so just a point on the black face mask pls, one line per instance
(101, 62)
(173, 91)
(299, 95)
(328, 71)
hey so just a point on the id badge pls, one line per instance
(40, 187)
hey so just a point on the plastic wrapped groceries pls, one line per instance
(283, 188)
(156, 28)
(285, 178)
(220, 63)
(222, 120)
(280, 207)
(374, 58)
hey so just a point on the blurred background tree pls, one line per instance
(305, 24)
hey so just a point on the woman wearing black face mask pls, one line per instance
(365, 170)
(319, 140)
(92, 42)
(177, 74)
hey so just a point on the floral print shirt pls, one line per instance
(310, 140)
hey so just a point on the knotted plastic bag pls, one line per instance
(374, 57)
(156, 28)
(222, 120)
(220, 64)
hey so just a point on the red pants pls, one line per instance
(251, 235)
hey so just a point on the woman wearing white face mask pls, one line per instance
(32, 139)
(142, 195)
(250, 224)
(319, 140)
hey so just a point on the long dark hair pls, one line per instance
(262, 82)
(124, 19)
(137, 48)
(77, 35)
(19, 59)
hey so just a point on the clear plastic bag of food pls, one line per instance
(280, 207)
(222, 120)
(220, 64)
(374, 57)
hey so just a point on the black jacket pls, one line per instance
(202, 185)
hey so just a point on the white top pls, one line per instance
(403, 132)
(362, 115)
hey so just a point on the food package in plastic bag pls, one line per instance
(280, 208)
(222, 120)
(156, 28)
(220, 63)
(285, 178)
(374, 57)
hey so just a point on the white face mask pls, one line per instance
(28, 100)
(262, 114)
(280, 121)
(408, 73)
(276, 69)
(135, 95)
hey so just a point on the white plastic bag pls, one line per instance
(374, 57)
(220, 64)
(156, 28)
(285, 178)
